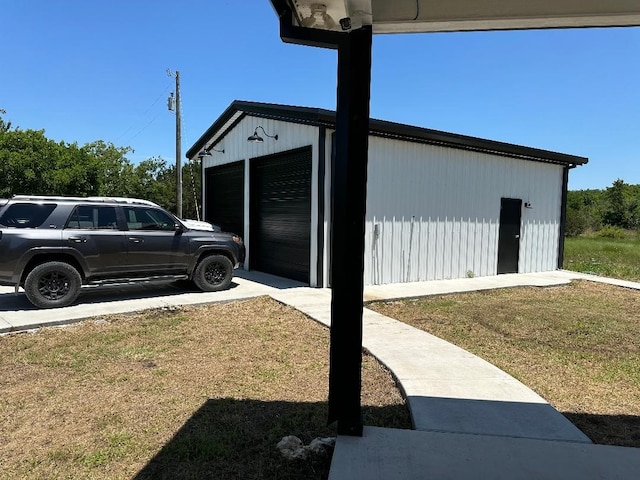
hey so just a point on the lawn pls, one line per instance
(578, 346)
(194, 392)
(609, 257)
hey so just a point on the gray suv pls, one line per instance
(51, 246)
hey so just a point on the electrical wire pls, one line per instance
(144, 114)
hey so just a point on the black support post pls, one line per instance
(348, 218)
(563, 216)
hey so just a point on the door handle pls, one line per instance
(135, 240)
(78, 239)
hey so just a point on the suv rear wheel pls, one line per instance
(52, 284)
(213, 273)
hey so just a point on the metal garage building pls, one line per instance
(439, 205)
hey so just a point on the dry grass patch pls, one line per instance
(578, 346)
(197, 392)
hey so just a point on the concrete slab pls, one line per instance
(17, 314)
(440, 287)
(389, 454)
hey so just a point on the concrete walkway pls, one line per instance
(471, 419)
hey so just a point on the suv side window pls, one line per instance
(26, 215)
(86, 217)
(141, 218)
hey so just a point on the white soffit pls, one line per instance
(403, 16)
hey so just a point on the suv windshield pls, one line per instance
(26, 215)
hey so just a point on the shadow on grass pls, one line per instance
(236, 439)
(622, 430)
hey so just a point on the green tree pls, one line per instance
(192, 190)
(117, 177)
(622, 208)
(30, 163)
(4, 126)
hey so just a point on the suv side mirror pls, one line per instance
(178, 228)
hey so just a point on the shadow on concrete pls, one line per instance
(489, 417)
(108, 293)
(622, 430)
(236, 439)
(11, 302)
(269, 280)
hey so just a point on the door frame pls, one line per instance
(507, 245)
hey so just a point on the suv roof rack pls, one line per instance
(55, 198)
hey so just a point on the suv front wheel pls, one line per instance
(213, 273)
(52, 284)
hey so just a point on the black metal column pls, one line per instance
(347, 250)
(563, 216)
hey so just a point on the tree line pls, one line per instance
(32, 164)
(617, 206)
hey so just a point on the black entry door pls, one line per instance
(509, 236)
(280, 214)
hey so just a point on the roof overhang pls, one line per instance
(380, 128)
(405, 16)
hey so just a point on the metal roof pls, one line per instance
(327, 118)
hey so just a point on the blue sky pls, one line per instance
(96, 70)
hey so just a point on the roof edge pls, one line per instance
(383, 128)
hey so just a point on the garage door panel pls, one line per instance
(225, 196)
(281, 214)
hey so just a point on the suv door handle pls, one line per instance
(136, 239)
(78, 239)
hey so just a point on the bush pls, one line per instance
(575, 223)
(609, 231)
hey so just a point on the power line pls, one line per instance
(145, 127)
(143, 115)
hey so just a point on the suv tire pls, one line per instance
(213, 273)
(52, 284)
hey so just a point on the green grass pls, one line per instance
(575, 345)
(189, 393)
(609, 257)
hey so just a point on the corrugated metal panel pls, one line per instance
(437, 210)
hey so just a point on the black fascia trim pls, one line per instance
(382, 128)
(211, 131)
(400, 131)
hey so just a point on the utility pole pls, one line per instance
(178, 142)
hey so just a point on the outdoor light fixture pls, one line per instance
(206, 152)
(319, 18)
(257, 138)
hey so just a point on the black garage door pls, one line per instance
(224, 190)
(281, 214)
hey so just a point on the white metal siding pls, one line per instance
(438, 209)
(290, 136)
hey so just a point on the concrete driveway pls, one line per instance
(17, 314)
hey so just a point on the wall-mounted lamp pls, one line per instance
(319, 18)
(206, 152)
(528, 205)
(257, 138)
